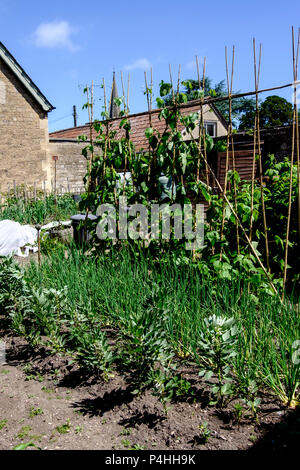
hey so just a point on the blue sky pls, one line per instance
(64, 45)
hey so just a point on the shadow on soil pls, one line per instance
(281, 436)
(98, 406)
(150, 419)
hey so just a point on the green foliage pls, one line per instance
(25, 446)
(216, 349)
(169, 312)
(167, 154)
(167, 386)
(180, 162)
(192, 91)
(12, 285)
(49, 244)
(3, 423)
(35, 412)
(276, 196)
(64, 428)
(205, 432)
(273, 111)
(143, 346)
(93, 350)
(40, 211)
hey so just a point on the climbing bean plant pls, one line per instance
(185, 163)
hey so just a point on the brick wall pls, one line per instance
(24, 135)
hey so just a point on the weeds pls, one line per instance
(23, 433)
(25, 445)
(3, 423)
(40, 211)
(35, 412)
(205, 432)
(64, 428)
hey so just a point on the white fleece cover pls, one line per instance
(14, 236)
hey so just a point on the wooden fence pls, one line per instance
(243, 164)
(36, 190)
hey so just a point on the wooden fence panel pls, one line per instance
(243, 165)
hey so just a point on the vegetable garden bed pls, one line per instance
(110, 349)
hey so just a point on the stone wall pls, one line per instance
(24, 134)
(71, 166)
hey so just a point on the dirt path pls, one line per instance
(46, 401)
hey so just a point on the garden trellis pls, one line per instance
(187, 162)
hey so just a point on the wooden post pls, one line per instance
(55, 158)
(38, 227)
(34, 189)
(15, 189)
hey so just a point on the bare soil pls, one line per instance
(48, 401)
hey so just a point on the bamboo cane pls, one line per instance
(210, 99)
(106, 125)
(231, 141)
(90, 105)
(261, 181)
(295, 122)
(150, 125)
(256, 79)
(126, 109)
(267, 274)
(229, 131)
(125, 113)
(297, 131)
(175, 99)
(201, 123)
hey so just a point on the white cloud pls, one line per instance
(143, 64)
(55, 34)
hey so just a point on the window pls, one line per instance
(211, 128)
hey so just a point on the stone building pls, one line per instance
(24, 138)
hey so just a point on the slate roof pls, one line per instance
(22, 76)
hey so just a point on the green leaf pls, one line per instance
(205, 193)
(149, 132)
(25, 445)
(160, 103)
(144, 187)
(183, 158)
(164, 88)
